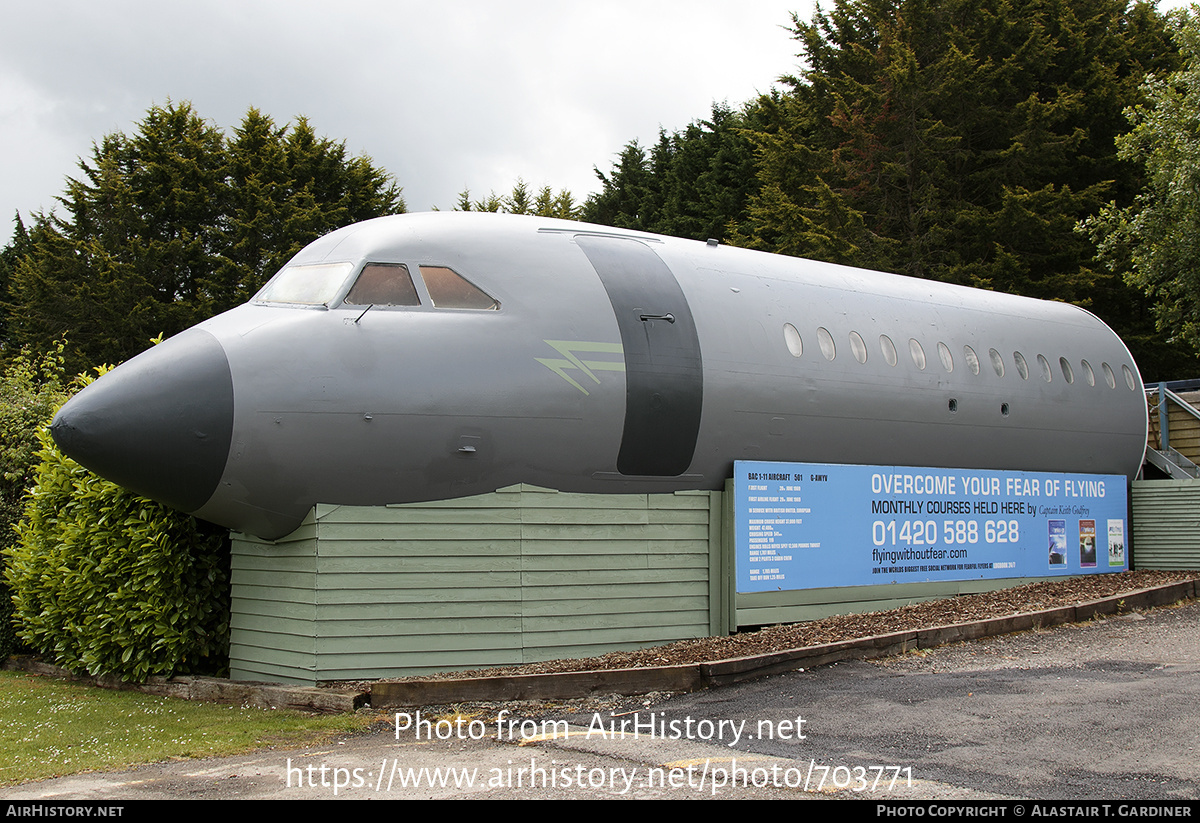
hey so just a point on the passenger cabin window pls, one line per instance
(312, 285)
(997, 362)
(858, 346)
(383, 284)
(972, 359)
(449, 290)
(945, 356)
(1022, 366)
(792, 338)
(918, 353)
(1067, 372)
(825, 339)
(1109, 378)
(1129, 381)
(1047, 375)
(888, 348)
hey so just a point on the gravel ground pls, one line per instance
(964, 608)
(961, 609)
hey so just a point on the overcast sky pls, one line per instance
(443, 95)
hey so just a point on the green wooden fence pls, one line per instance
(517, 576)
(1166, 524)
(527, 574)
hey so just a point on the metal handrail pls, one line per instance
(1168, 454)
(1163, 391)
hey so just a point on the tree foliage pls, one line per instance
(112, 584)
(10, 256)
(1155, 242)
(694, 183)
(546, 203)
(178, 222)
(959, 141)
(31, 389)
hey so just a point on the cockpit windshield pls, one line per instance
(311, 285)
(383, 284)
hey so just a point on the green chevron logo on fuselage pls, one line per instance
(570, 361)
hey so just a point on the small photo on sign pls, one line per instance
(1058, 542)
(1087, 543)
(1116, 542)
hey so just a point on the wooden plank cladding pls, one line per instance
(526, 574)
(1184, 427)
(517, 576)
(1166, 524)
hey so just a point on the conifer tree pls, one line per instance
(10, 256)
(519, 201)
(177, 222)
(959, 141)
(561, 205)
(693, 183)
(624, 198)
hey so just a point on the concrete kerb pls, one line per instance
(395, 694)
(211, 689)
(566, 685)
(552, 686)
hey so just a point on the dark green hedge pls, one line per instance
(113, 584)
(31, 388)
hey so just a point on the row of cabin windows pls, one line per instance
(378, 284)
(858, 348)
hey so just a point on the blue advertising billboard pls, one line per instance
(814, 525)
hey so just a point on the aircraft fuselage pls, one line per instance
(584, 358)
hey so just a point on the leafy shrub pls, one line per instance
(30, 390)
(114, 584)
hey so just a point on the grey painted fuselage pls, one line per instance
(613, 361)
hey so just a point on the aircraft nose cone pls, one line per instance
(160, 425)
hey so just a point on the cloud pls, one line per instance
(444, 96)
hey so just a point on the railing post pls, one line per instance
(1164, 434)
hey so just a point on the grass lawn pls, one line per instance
(50, 728)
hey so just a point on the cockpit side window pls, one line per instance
(449, 290)
(312, 285)
(383, 284)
